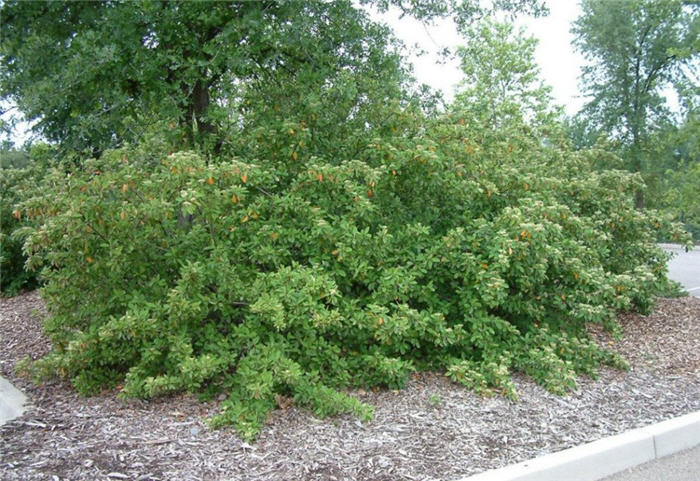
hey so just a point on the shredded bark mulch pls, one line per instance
(430, 430)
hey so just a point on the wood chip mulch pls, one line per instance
(431, 430)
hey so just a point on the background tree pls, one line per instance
(97, 74)
(636, 49)
(673, 181)
(502, 81)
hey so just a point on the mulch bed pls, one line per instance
(430, 430)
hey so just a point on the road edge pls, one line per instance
(598, 459)
(667, 245)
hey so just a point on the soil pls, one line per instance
(430, 430)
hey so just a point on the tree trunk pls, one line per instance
(637, 168)
(197, 109)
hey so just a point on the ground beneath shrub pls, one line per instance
(431, 430)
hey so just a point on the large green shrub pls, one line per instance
(20, 177)
(455, 248)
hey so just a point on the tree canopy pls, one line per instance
(97, 74)
(636, 50)
(501, 79)
(94, 73)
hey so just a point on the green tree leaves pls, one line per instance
(636, 50)
(96, 74)
(501, 78)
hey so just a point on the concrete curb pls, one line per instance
(665, 245)
(12, 401)
(596, 460)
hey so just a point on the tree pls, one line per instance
(636, 49)
(501, 78)
(673, 182)
(97, 74)
(463, 12)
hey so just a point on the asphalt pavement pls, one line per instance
(684, 267)
(682, 466)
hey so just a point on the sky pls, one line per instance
(559, 63)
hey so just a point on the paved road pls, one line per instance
(683, 466)
(685, 268)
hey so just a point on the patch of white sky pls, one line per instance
(559, 63)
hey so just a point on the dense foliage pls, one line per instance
(124, 66)
(673, 178)
(20, 177)
(332, 234)
(460, 249)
